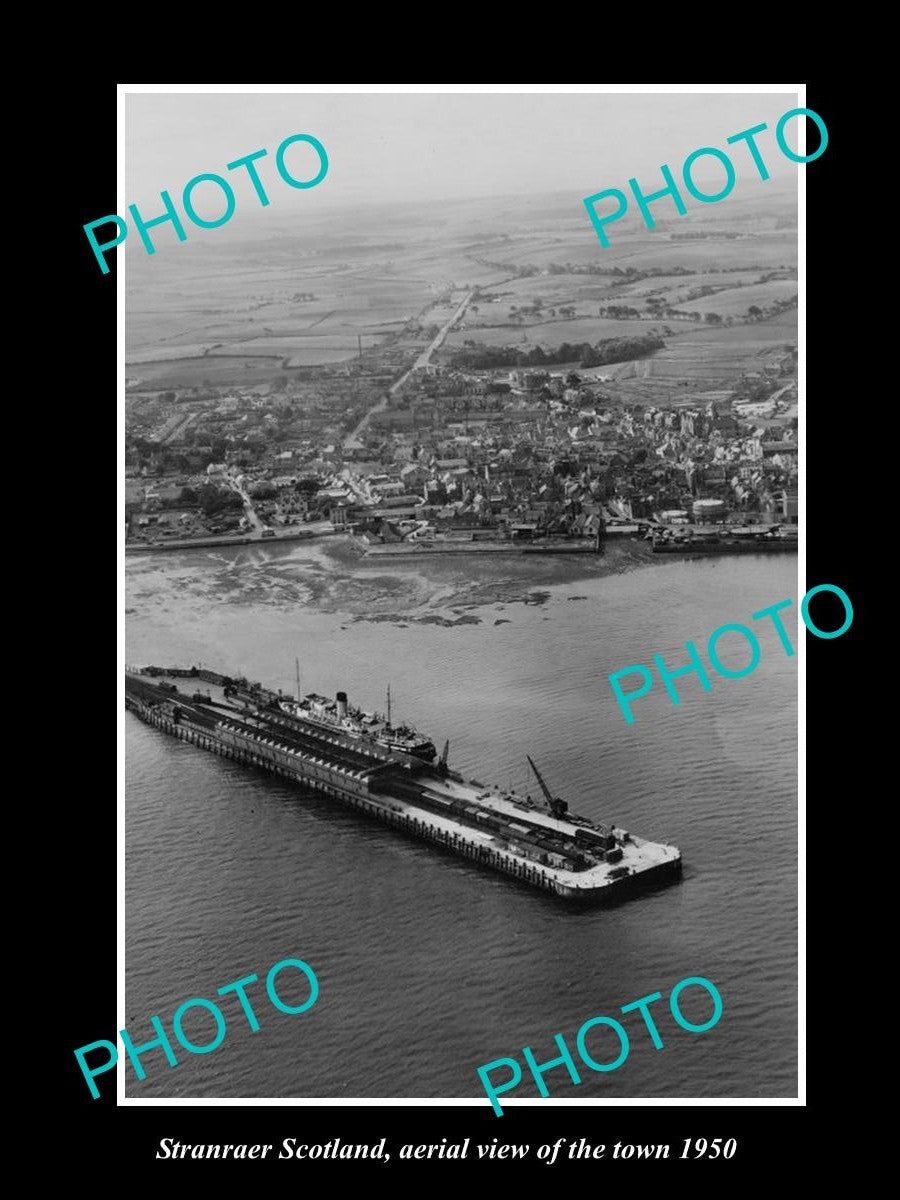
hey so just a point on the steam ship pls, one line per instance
(395, 775)
(339, 714)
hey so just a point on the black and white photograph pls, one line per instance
(463, 630)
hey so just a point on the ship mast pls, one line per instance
(389, 705)
(297, 669)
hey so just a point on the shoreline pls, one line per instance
(242, 540)
(406, 550)
(442, 588)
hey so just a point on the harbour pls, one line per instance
(543, 845)
(228, 867)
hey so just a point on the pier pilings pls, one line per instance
(353, 793)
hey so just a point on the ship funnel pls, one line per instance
(341, 704)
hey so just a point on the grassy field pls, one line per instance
(551, 333)
(736, 301)
(674, 289)
(768, 250)
(167, 352)
(704, 359)
(232, 311)
(195, 372)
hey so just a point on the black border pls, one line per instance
(84, 820)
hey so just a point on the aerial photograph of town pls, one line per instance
(498, 389)
(412, 465)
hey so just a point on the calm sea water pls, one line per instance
(429, 966)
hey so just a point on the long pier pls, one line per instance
(462, 818)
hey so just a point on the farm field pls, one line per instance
(168, 352)
(768, 250)
(704, 359)
(197, 372)
(675, 290)
(736, 301)
(550, 333)
(235, 311)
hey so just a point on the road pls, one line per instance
(290, 533)
(352, 440)
(249, 511)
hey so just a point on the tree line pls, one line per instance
(607, 350)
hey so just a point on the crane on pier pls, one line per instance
(556, 804)
(442, 767)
